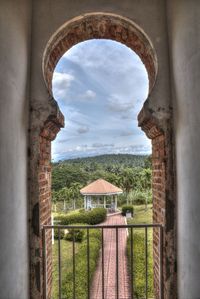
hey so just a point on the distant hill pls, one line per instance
(127, 160)
(85, 170)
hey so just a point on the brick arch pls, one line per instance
(114, 27)
(99, 26)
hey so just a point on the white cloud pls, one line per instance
(83, 130)
(100, 86)
(61, 82)
(97, 145)
(126, 133)
(89, 95)
(117, 104)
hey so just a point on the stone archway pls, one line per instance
(114, 27)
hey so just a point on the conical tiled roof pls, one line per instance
(100, 187)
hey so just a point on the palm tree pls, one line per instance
(63, 195)
(75, 193)
(145, 177)
(54, 196)
(127, 181)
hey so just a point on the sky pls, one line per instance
(100, 86)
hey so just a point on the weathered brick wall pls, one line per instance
(159, 209)
(164, 203)
(45, 200)
(40, 192)
(99, 25)
(48, 134)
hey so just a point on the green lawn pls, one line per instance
(140, 216)
(66, 263)
(81, 266)
(144, 217)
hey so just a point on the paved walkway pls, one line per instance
(110, 264)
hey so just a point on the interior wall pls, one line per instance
(184, 33)
(15, 20)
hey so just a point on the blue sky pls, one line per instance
(100, 86)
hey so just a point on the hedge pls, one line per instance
(91, 217)
(62, 234)
(76, 233)
(81, 270)
(127, 208)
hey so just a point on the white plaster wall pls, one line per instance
(14, 49)
(184, 32)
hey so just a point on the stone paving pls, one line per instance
(110, 264)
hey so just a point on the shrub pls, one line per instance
(62, 233)
(92, 217)
(76, 233)
(140, 200)
(127, 208)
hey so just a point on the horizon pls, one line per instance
(100, 155)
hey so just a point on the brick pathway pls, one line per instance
(110, 264)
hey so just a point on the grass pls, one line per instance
(66, 265)
(81, 267)
(144, 217)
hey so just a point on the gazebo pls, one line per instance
(100, 193)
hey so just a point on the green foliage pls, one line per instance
(62, 233)
(76, 234)
(127, 208)
(141, 216)
(81, 270)
(92, 217)
(84, 170)
(129, 172)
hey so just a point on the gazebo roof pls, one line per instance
(100, 187)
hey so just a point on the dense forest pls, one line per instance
(130, 172)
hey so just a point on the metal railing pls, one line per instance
(130, 231)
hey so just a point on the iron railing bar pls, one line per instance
(59, 264)
(44, 264)
(88, 262)
(117, 264)
(161, 264)
(102, 259)
(132, 288)
(154, 225)
(74, 265)
(146, 262)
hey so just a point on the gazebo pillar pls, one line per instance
(104, 202)
(115, 202)
(85, 202)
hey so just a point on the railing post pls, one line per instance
(146, 262)
(44, 264)
(161, 263)
(102, 260)
(59, 265)
(117, 264)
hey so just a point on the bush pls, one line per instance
(92, 217)
(127, 208)
(76, 233)
(62, 233)
(140, 200)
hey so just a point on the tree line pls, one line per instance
(130, 172)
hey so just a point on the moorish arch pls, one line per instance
(118, 28)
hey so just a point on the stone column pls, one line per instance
(184, 45)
